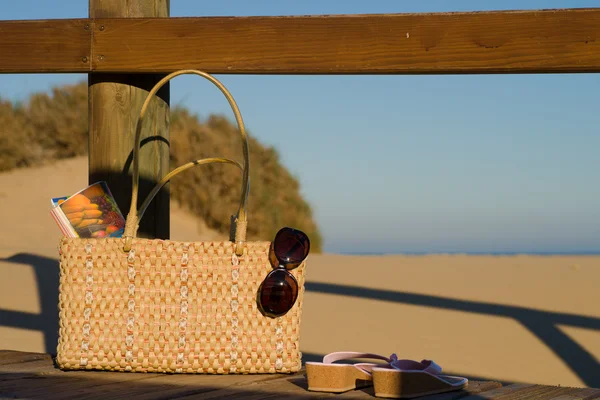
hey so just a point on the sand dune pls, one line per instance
(25, 203)
(514, 318)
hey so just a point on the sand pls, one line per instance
(521, 318)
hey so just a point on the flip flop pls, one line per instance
(338, 378)
(407, 379)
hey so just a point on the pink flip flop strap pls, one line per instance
(410, 365)
(346, 355)
(367, 367)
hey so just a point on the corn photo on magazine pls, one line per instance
(90, 213)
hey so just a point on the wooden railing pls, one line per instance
(546, 41)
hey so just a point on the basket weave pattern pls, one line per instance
(170, 306)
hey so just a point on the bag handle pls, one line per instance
(177, 170)
(239, 221)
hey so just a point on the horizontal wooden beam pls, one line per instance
(483, 42)
(547, 41)
(62, 45)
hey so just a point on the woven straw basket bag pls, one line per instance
(150, 305)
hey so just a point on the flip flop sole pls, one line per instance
(335, 378)
(394, 384)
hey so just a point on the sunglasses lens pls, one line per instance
(291, 245)
(278, 293)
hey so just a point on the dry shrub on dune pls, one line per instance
(15, 137)
(212, 191)
(47, 127)
(54, 126)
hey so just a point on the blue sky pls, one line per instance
(476, 163)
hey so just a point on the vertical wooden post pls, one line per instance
(115, 101)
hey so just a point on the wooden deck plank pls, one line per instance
(116, 385)
(291, 387)
(138, 390)
(171, 386)
(32, 375)
(17, 357)
(17, 371)
(14, 364)
(21, 369)
(66, 385)
(502, 391)
(53, 383)
(50, 382)
(295, 387)
(528, 391)
(475, 387)
(579, 394)
(59, 45)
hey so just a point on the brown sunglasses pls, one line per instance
(278, 292)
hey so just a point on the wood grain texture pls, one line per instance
(547, 41)
(295, 387)
(51, 383)
(527, 391)
(442, 43)
(34, 376)
(115, 103)
(45, 46)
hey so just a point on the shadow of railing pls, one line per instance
(543, 324)
(46, 276)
